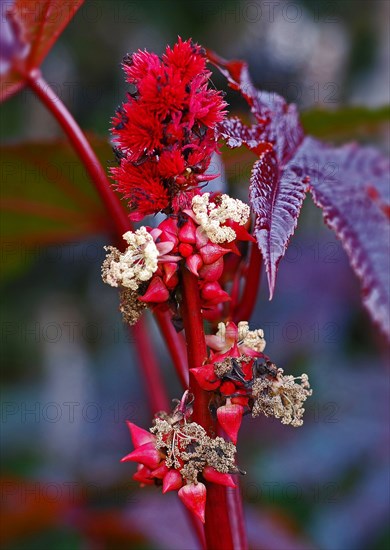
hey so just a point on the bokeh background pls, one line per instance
(70, 373)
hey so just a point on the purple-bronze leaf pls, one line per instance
(279, 122)
(276, 195)
(235, 133)
(350, 185)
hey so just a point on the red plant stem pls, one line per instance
(175, 344)
(224, 529)
(42, 89)
(247, 301)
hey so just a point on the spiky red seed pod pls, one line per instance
(161, 471)
(187, 233)
(240, 401)
(212, 272)
(146, 454)
(228, 388)
(172, 481)
(193, 263)
(194, 498)
(169, 271)
(230, 417)
(185, 249)
(157, 292)
(212, 475)
(212, 292)
(143, 475)
(212, 252)
(138, 435)
(206, 377)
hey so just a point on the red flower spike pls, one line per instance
(146, 454)
(194, 498)
(157, 292)
(166, 128)
(172, 481)
(230, 417)
(212, 475)
(139, 436)
(206, 377)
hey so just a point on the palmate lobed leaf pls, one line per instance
(276, 190)
(349, 184)
(29, 30)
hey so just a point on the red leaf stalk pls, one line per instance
(42, 89)
(247, 301)
(175, 344)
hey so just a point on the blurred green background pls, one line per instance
(70, 374)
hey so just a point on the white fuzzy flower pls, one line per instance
(212, 215)
(134, 266)
(253, 339)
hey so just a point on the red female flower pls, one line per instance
(164, 132)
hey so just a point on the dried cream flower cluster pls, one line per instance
(189, 449)
(228, 333)
(136, 265)
(253, 339)
(212, 215)
(281, 397)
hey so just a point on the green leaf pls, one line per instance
(46, 198)
(348, 123)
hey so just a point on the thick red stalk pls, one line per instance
(82, 147)
(247, 301)
(224, 529)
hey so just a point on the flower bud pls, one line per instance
(172, 481)
(146, 454)
(157, 292)
(212, 475)
(230, 417)
(139, 436)
(194, 498)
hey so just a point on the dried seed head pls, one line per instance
(130, 306)
(189, 449)
(221, 368)
(281, 397)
